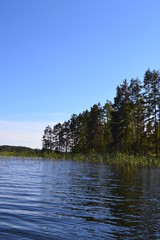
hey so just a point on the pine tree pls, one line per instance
(47, 141)
(56, 137)
(137, 109)
(152, 99)
(122, 118)
(107, 119)
(82, 139)
(95, 129)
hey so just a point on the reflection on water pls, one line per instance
(46, 199)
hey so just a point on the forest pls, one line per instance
(6, 150)
(130, 125)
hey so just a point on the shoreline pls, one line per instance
(118, 159)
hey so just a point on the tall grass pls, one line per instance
(117, 159)
(112, 159)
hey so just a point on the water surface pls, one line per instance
(48, 199)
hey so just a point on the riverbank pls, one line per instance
(112, 159)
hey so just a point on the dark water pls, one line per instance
(46, 199)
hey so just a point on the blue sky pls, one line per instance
(59, 57)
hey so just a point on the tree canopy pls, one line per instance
(130, 125)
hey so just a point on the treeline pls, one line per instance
(129, 125)
(19, 150)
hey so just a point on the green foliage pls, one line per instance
(130, 125)
(19, 151)
(115, 159)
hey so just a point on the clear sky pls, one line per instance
(59, 57)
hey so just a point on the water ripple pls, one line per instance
(46, 199)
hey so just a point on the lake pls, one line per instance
(63, 199)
